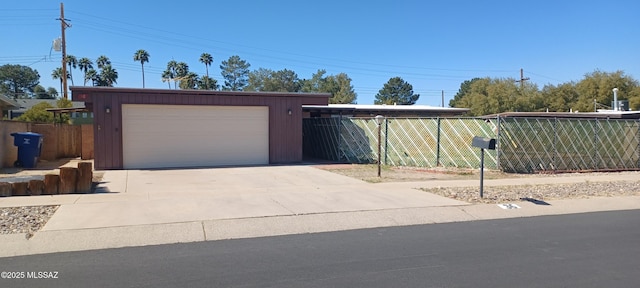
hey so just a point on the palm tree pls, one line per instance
(92, 75)
(57, 74)
(142, 56)
(182, 70)
(108, 76)
(73, 63)
(102, 61)
(172, 69)
(206, 59)
(167, 76)
(189, 81)
(85, 64)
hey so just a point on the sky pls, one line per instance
(432, 45)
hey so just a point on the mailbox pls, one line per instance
(484, 143)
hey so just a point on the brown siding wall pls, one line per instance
(285, 131)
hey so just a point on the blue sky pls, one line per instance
(433, 45)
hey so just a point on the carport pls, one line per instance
(160, 128)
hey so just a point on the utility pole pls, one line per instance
(64, 25)
(522, 79)
(442, 98)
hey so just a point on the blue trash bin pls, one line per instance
(29, 147)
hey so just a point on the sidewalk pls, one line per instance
(139, 207)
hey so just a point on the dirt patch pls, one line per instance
(368, 172)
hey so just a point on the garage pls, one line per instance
(171, 128)
(162, 136)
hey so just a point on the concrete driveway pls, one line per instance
(140, 197)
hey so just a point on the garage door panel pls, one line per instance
(157, 136)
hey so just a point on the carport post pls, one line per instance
(379, 120)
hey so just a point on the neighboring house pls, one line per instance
(77, 115)
(7, 105)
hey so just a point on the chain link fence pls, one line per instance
(419, 142)
(525, 145)
(534, 145)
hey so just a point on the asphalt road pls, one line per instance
(580, 250)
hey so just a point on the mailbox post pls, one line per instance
(483, 143)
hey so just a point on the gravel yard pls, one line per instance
(14, 220)
(495, 194)
(504, 194)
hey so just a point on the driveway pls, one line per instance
(139, 197)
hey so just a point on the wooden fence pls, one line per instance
(59, 140)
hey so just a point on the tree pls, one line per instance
(64, 103)
(256, 79)
(338, 85)
(72, 62)
(57, 74)
(181, 71)
(102, 61)
(85, 64)
(38, 113)
(341, 89)
(171, 73)
(268, 80)
(490, 96)
(108, 76)
(207, 83)
(235, 71)
(167, 76)
(599, 86)
(52, 92)
(189, 81)
(206, 59)
(316, 83)
(40, 92)
(18, 80)
(560, 98)
(92, 75)
(141, 56)
(465, 89)
(283, 81)
(396, 91)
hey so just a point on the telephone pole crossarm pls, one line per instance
(522, 79)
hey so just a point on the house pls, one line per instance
(161, 128)
(7, 105)
(78, 115)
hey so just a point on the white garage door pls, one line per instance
(159, 136)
